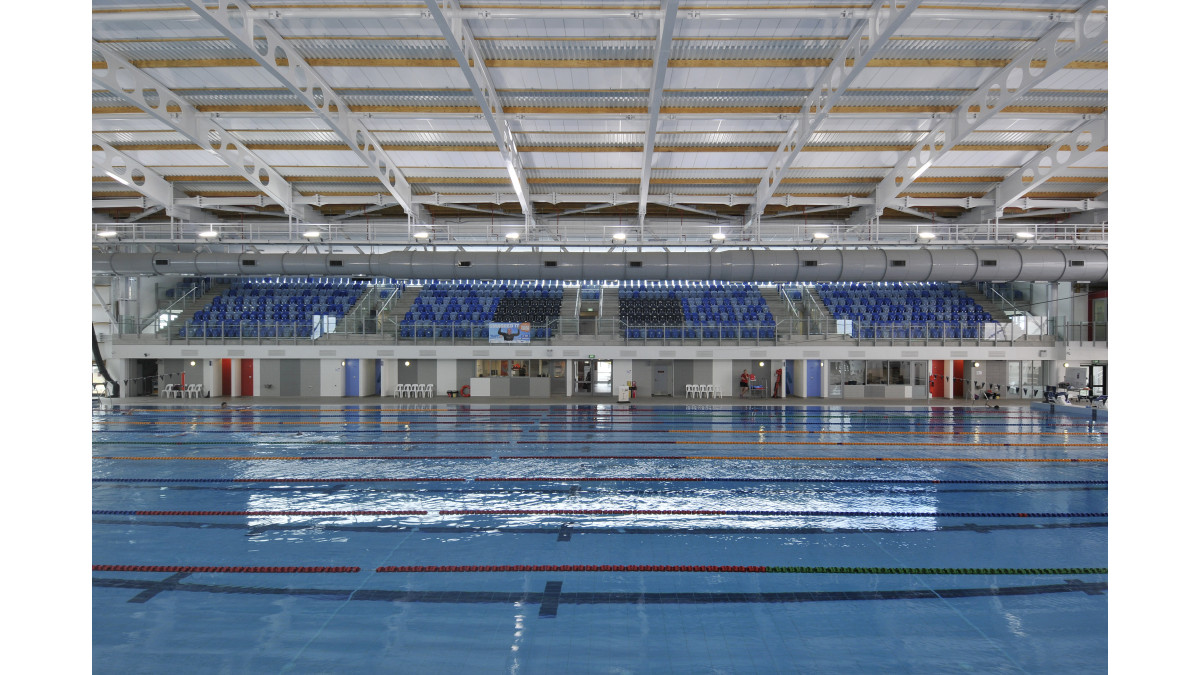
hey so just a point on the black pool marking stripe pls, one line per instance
(550, 598)
(556, 598)
(564, 532)
(158, 587)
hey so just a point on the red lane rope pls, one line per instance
(213, 568)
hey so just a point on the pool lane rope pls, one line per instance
(746, 569)
(740, 569)
(607, 512)
(601, 479)
(230, 569)
(671, 457)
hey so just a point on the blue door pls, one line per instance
(378, 377)
(813, 380)
(351, 377)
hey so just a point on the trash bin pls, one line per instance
(622, 394)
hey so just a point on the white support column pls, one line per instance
(257, 380)
(235, 378)
(366, 377)
(212, 379)
(389, 376)
(570, 378)
(447, 377)
(723, 377)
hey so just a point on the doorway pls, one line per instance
(1098, 379)
(593, 377)
(662, 384)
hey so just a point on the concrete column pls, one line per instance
(256, 364)
(333, 378)
(366, 377)
(389, 377)
(447, 376)
(778, 364)
(235, 377)
(570, 378)
(212, 378)
(723, 377)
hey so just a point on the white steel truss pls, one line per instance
(1057, 48)
(134, 175)
(1086, 139)
(867, 38)
(465, 50)
(662, 54)
(267, 47)
(157, 100)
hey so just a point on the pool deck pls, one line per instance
(640, 402)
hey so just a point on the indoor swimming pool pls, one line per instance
(441, 538)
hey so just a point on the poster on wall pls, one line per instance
(515, 333)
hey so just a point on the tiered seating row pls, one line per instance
(708, 309)
(893, 309)
(273, 307)
(463, 309)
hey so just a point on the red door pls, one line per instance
(247, 377)
(226, 376)
(958, 379)
(937, 381)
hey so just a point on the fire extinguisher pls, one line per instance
(633, 389)
(778, 381)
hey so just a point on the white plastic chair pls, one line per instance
(427, 390)
(396, 391)
(689, 390)
(706, 391)
(716, 390)
(167, 391)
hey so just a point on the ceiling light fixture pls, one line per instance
(1024, 235)
(312, 234)
(209, 234)
(107, 233)
(513, 236)
(820, 235)
(718, 236)
(926, 235)
(618, 236)
(421, 235)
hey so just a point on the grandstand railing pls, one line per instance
(788, 331)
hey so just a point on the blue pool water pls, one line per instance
(854, 540)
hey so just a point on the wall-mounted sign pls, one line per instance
(514, 333)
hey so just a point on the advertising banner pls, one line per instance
(514, 333)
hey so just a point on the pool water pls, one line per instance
(436, 538)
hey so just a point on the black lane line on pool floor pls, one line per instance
(552, 596)
(165, 585)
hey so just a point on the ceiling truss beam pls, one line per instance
(157, 100)
(1086, 31)
(470, 59)
(1086, 139)
(267, 47)
(133, 174)
(662, 54)
(865, 40)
